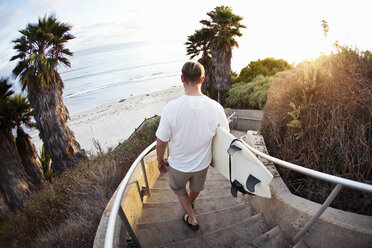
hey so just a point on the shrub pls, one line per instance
(319, 115)
(44, 160)
(265, 67)
(67, 212)
(249, 95)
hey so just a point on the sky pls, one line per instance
(283, 29)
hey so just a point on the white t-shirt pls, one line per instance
(189, 123)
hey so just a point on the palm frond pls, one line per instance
(40, 49)
(7, 114)
(22, 108)
(199, 42)
(5, 89)
(225, 26)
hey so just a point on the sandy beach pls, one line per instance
(113, 123)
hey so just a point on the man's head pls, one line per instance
(192, 73)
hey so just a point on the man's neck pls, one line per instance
(193, 90)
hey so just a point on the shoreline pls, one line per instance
(112, 123)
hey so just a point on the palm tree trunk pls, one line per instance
(221, 64)
(14, 182)
(4, 208)
(208, 80)
(28, 154)
(219, 97)
(51, 117)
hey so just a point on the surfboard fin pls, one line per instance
(234, 191)
(235, 187)
(251, 182)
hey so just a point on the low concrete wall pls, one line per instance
(335, 228)
(245, 119)
(131, 203)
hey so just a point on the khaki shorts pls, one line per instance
(179, 179)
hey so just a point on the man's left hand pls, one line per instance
(162, 166)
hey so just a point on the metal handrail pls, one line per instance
(231, 116)
(116, 207)
(313, 173)
(248, 118)
(339, 181)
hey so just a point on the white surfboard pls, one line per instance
(244, 164)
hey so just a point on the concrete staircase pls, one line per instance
(224, 221)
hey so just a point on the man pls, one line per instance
(189, 123)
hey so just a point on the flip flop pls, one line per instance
(192, 227)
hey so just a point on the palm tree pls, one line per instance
(14, 183)
(197, 43)
(4, 94)
(225, 26)
(40, 50)
(26, 149)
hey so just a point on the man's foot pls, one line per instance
(185, 219)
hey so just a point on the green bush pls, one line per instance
(265, 67)
(251, 95)
(319, 115)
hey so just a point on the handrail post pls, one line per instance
(116, 208)
(148, 192)
(130, 231)
(321, 210)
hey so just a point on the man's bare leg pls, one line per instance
(186, 204)
(192, 196)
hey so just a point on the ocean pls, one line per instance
(112, 73)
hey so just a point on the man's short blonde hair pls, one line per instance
(192, 72)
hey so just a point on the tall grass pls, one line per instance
(319, 115)
(67, 212)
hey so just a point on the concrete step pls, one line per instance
(271, 239)
(246, 246)
(161, 211)
(234, 235)
(154, 234)
(301, 244)
(167, 195)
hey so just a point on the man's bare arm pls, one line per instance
(161, 146)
